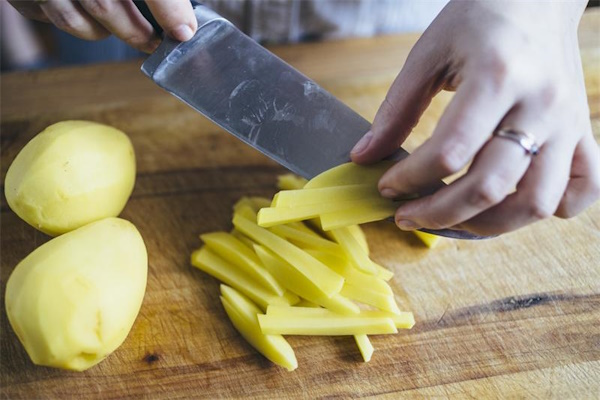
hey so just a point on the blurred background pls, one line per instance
(29, 44)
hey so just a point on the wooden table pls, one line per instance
(516, 316)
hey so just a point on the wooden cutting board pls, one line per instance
(516, 316)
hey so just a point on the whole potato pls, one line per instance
(73, 300)
(71, 174)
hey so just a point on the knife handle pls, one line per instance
(145, 10)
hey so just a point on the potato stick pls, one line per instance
(237, 253)
(274, 200)
(385, 302)
(255, 203)
(291, 198)
(324, 278)
(306, 303)
(273, 347)
(271, 216)
(357, 255)
(307, 239)
(429, 239)
(300, 311)
(382, 272)
(364, 346)
(301, 226)
(351, 274)
(328, 325)
(209, 262)
(297, 283)
(243, 238)
(358, 215)
(359, 235)
(350, 174)
(259, 202)
(353, 250)
(404, 320)
(245, 211)
(290, 182)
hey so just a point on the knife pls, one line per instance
(254, 95)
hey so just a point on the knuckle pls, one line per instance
(69, 21)
(492, 190)
(450, 160)
(502, 72)
(541, 209)
(99, 8)
(552, 95)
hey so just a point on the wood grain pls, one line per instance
(513, 317)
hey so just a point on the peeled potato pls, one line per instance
(71, 174)
(73, 300)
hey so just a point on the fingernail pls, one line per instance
(363, 143)
(182, 33)
(406, 225)
(389, 193)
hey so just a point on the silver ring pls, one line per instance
(526, 140)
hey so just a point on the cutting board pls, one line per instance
(516, 316)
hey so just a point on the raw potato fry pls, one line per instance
(323, 277)
(404, 320)
(303, 238)
(382, 301)
(360, 237)
(330, 194)
(254, 203)
(233, 250)
(243, 238)
(375, 211)
(365, 346)
(333, 194)
(209, 262)
(326, 325)
(352, 275)
(359, 258)
(246, 211)
(349, 174)
(353, 251)
(299, 284)
(290, 182)
(243, 315)
(306, 303)
(306, 247)
(272, 216)
(430, 240)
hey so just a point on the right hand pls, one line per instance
(97, 19)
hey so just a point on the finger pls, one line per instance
(72, 18)
(583, 188)
(465, 126)
(124, 20)
(29, 10)
(176, 17)
(408, 97)
(494, 174)
(538, 194)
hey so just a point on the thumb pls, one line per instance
(421, 78)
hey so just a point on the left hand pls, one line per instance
(514, 64)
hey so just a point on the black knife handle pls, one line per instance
(145, 10)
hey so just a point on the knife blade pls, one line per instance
(259, 98)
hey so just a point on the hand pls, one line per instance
(97, 19)
(513, 64)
